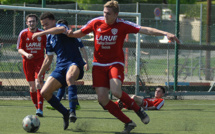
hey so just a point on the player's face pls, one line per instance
(109, 15)
(47, 23)
(31, 23)
(159, 93)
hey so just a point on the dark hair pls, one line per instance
(162, 88)
(31, 15)
(62, 21)
(47, 15)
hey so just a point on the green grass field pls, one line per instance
(176, 117)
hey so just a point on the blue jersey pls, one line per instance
(66, 48)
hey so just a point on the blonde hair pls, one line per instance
(113, 4)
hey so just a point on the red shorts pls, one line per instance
(102, 75)
(31, 69)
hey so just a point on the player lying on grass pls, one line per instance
(155, 103)
(69, 66)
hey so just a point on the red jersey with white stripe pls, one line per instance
(109, 39)
(150, 102)
(35, 47)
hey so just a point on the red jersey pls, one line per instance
(109, 39)
(149, 102)
(35, 47)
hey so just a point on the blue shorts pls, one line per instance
(60, 73)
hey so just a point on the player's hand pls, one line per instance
(29, 56)
(69, 33)
(86, 67)
(35, 35)
(172, 38)
(40, 79)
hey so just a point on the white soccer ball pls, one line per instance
(31, 123)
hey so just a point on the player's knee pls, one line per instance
(45, 93)
(103, 100)
(116, 94)
(32, 89)
(70, 79)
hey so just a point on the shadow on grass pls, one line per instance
(47, 116)
(102, 132)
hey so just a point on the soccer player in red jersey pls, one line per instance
(108, 63)
(32, 52)
(155, 103)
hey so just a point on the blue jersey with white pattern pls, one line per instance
(66, 48)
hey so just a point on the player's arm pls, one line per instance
(46, 64)
(27, 55)
(54, 30)
(156, 32)
(84, 53)
(75, 34)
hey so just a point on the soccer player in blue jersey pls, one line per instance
(69, 67)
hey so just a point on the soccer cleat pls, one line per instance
(143, 116)
(128, 127)
(50, 107)
(72, 117)
(78, 107)
(66, 121)
(39, 113)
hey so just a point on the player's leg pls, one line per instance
(60, 93)
(138, 100)
(116, 76)
(29, 75)
(39, 99)
(48, 88)
(37, 65)
(71, 76)
(104, 100)
(101, 84)
(33, 93)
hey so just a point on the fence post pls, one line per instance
(176, 45)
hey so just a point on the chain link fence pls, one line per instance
(157, 54)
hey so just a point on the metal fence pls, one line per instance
(157, 55)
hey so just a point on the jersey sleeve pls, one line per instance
(20, 41)
(88, 27)
(131, 27)
(159, 103)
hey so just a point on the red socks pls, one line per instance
(129, 102)
(34, 98)
(39, 100)
(115, 110)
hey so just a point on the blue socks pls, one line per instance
(72, 96)
(54, 102)
(60, 93)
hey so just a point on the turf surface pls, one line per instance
(176, 117)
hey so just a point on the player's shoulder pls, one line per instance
(23, 31)
(126, 22)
